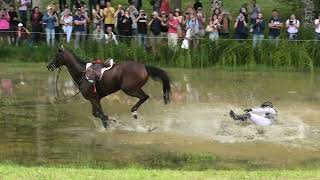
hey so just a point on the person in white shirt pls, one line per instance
(262, 116)
(293, 25)
(110, 37)
(317, 28)
(67, 24)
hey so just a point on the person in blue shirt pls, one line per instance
(80, 22)
(49, 20)
(258, 27)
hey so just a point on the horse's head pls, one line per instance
(58, 59)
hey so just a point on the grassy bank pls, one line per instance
(20, 172)
(302, 56)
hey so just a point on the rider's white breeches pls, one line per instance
(260, 120)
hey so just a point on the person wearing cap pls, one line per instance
(155, 28)
(262, 116)
(79, 26)
(49, 20)
(22, 34)
(142, 25)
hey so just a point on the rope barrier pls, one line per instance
(161, 37)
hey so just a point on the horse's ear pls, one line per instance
(60, 49)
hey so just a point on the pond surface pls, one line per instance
(36, 129)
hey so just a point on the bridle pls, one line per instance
(55, 83)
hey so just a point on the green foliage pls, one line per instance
(224, 53)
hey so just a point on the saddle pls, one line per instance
(94, 71)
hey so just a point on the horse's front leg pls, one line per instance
(98, 112)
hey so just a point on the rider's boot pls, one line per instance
(236, 117)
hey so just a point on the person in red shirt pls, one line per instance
(173, 25)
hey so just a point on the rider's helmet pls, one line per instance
(267, 104)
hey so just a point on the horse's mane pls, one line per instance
(77, 57)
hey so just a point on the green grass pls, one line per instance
(20, 172)
(302, 56)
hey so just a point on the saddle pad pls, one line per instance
(111, 62)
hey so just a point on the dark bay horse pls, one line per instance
(127, 76)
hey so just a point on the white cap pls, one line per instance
(20, 25)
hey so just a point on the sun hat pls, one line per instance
(20, 25)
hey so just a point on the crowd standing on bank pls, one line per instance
(105, 22)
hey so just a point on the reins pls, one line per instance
(55, 84)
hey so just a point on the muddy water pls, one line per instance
(36, 129)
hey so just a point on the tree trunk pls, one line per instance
(308, 12)
(176, 4)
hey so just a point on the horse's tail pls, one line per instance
(159, 74)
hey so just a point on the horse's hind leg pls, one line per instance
(98, 112)
(142, 98)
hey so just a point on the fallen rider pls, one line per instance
(262, 116)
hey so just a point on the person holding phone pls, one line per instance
(293, 25)
(258, 27)
(241, 27)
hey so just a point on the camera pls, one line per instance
(291, 22)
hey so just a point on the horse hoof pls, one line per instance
(135, 114)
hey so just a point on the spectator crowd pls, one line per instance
(107, 23)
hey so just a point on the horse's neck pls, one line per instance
(76, 68)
